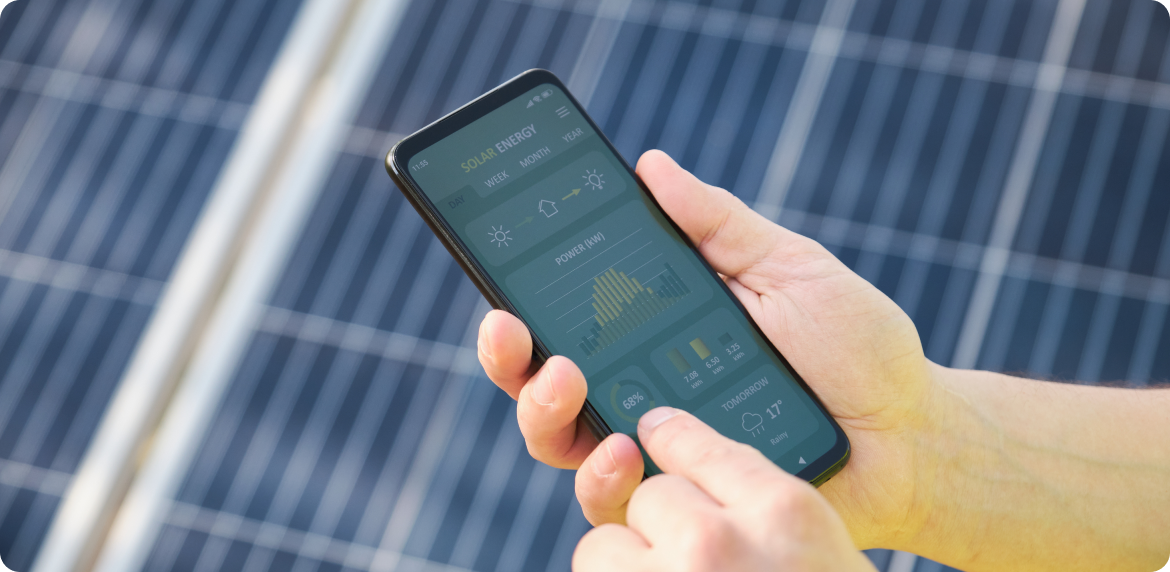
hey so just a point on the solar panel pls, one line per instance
(998, 167)
(115, 118)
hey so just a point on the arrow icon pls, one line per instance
(572, 194)
(526, 221)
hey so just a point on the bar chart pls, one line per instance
(622, 304)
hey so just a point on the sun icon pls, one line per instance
(593, 178)
(500, 236)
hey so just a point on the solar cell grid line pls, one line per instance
(497, 473)
(804, 141)
(695, 59)
(1115, 120)
(602, 32)
(59, 392)
(357, 233)
(1056, 306)
(1154, 333)
(33, 478)
(1141, 185)
(954, 157)
(48, 233)
(45, 437)
(517, 547)
(380, 15)
(688, 119)
(335, 381)
(397, 522)
(36, 130)
(437, 55)
(804, 107)
(712, 152)
(471, 416)
(861, 149)
(1037, 122)
(309, 450)
(283, 399)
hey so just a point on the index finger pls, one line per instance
(729, 471)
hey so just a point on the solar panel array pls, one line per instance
(115, 119)
(1012, 195)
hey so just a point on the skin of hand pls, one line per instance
(977, 470)
(720, 505)
(813, 308)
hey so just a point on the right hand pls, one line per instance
(853, 345)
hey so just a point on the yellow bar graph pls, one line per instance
(621, 304)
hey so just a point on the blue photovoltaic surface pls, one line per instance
(358, 427)
(901, 176)
(115, 119)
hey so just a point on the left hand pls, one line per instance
(721, 505)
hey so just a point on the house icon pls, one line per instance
(548, 208)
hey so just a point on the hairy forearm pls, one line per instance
(1019, 474)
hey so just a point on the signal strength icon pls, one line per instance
(530, 103)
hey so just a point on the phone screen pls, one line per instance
(599, 274)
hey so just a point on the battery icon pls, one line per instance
(546, 93)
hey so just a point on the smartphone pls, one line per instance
(555, 227)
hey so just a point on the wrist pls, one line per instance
(949, 439)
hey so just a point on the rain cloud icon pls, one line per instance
(753, 423)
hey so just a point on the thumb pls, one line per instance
(729, 471)
(731, 236)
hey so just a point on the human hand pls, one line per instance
(854, 346)
(720, 505)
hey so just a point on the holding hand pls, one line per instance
(979, 471)
(854, 346)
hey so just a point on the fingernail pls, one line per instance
(605, 465)
(543, 392)
(483, 341)
(655, 417)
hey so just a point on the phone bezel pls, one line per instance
(397, 160)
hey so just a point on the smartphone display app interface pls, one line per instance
(602, 278)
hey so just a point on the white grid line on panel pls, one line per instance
(885, 241)
(393, 345)
(488, 494)
(1086, 194)
(37, 128)
(954, 151)
(804, 107)
(33, 478)
(215, 231)
(234, 528)
(78, 278)
(1031, 141)
(1109, 129)
(121, 95)
(535, 499)
(895, 52)
(404, 512)
(54, 386)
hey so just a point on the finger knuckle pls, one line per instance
(710, 541)
(790, 501)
